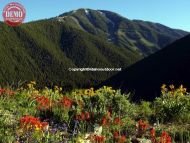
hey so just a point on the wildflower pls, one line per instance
(109, 89)
(168, 140)
(117, 121)
(152, 132)
(6, 91)
(119, 138)
(35, 92)
(142, 125)
(86, 92)
(2, 91)
(87, 115)
(33, 82)
(89, 92)
(80, 103)
(56, 88)
(99, 139)
(116, 134)
(45, 126)
(66, 102)
(78, 117)
(30, 123)
(104, 121)
(165, 138)
(31, 85)
(43, 103)
(83, 116)
(164, 89)
(122, 139)
(153, 135)
(172, 87)
(182, 89)
(163, 86)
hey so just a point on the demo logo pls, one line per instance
(14, 14)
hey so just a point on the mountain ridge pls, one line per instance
(122, 31)
(44, 50)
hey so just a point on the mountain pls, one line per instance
(44, 50)
(167, 66)
(136, 35)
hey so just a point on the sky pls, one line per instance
(172, 13)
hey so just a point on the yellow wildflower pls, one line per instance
(172, 86)
(33, 82)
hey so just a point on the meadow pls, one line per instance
(105, 115)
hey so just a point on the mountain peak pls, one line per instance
(136, 35)
(86, 11)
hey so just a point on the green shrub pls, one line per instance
(173, 105)
(144, 110)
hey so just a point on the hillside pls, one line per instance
(136, 35)
(168, 66)
(29, 53)
(44, 50)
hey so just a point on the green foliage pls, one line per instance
(144, 110)
(173, 105)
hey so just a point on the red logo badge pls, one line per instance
(14, 14)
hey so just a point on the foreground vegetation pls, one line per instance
(28, 115)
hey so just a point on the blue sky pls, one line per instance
(173, 13)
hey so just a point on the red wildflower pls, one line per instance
(2, 91)
(119, 138)
(117, 121)
(78, 117)
(83, 116)
(169, 139)
(165, 138)
(122, 139)
(66, 102)
(116, 134)
(43, 103)
(153, 135)
(152, 132)
(104, 121)
(45, 125)
(87, 115)
(142, 125)
(9, 92)
(99, 139)
(6, 91)
(30, 122)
